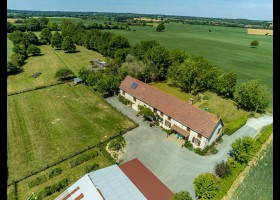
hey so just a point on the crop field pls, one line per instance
(59, 20)
(259, 31)
(227, 47)
(258, 183)
(48, 124)
(48, 63)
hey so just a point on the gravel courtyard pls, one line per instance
(174, 166)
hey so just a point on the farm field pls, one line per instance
(67, 119)
(217, 105)
(259, 31)
(48, 64)
(227, 47)
(59, 20)
(258, 183)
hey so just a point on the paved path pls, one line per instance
(174, 166)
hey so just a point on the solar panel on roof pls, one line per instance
(133, 85)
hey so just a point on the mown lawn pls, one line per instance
(258, 184)
(227, 47)
(73, 174)
(48, 124)
(226, 109)
(48, 64)
(9, 49)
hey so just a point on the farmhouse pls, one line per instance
(186, 121)
(130, 180)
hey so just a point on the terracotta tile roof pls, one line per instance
(149, 185)
(189, 115)
(179, 130)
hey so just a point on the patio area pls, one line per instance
(177, 140)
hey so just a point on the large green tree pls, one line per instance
(206, 185)
(182, 195)
(33, 49)
(46, 36)
(32, 38)
(56, 40)
(139, 50)
(225, 84)
(53, 26)
(243, 149)
(68, 45)
(160, 27)
(67, 28)
(63, 73)
(252, 95)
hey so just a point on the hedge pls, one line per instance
(49, 190)
(90, 168)
(123, 100)
(81, 159)
(55, 172)
(235, 125)
(264, 134)
(37, 181)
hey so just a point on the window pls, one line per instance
(155, 110)
(219, 131)
(196, 141)
(134, 99)
(167, 123)
(161, 113)
(169, 118)
(123, 92)
(188, 129)
(198, 144)
(199, 136)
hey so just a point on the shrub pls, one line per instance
(222, 169)
(152, 124)
(90, 168)
(199, 151)
(219, 139)
(146, 112)
(49, 190)
(213, 150)
(182, 195)
(37, 181)
(169, 132)
(235, 125)
(55, 172)
(81, 159)
(243, 149)
(123, 100)
(189, 145)
(264, 134)
(117, 143)
(206, 185)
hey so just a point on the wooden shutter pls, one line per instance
(193, 140)
(198, 143)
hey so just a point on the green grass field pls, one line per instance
(9, 49)
(58, 20)
(227, 47)
(48, 64)
(258, 184)
(48, 124)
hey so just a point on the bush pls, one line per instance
(199, 151)
(90, 168)
(117, 143)
(182, 195)
(55, 172)
(49, 190)
(222, 169)
(243, 149)
(123, 100)
(219, 139)
(81, 159)
(37, 181)
(189, 145)
(169, 132)
(146, 112)
(206, 185)
(105, 153)
(213, 150)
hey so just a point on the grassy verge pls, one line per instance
(9, 49)
(49, 124)
(237, 168)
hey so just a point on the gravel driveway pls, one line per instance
(174, 166)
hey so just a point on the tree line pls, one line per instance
(147, 61)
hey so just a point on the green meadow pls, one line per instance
(227, 47)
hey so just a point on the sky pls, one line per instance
(241, 9)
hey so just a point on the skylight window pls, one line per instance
(133, 85)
